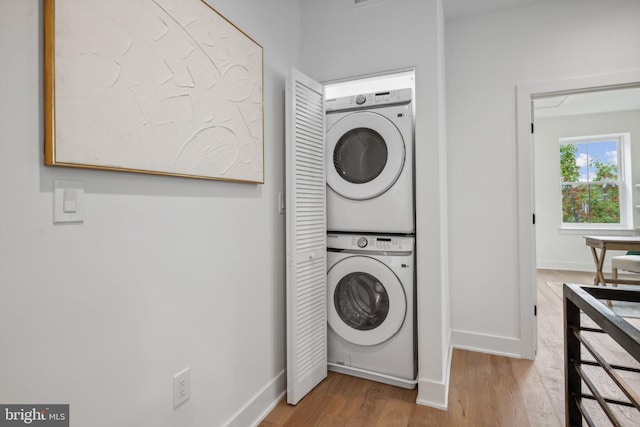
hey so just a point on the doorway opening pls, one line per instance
(543, 96)
(585, 170)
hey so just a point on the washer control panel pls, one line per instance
(371, 243)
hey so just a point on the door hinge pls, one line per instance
(535, 310)
(534, 219)
(532, 128)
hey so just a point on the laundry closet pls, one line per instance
(351, 290)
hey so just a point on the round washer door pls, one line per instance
(365, 155)
(366, 301)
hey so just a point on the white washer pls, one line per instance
(371, 308)
(370, 163)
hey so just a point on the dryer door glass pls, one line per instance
(365, 155)
(360, 155)
(361, 301)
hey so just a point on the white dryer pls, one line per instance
(370, 163)
(371, 307)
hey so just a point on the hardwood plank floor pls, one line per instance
(484, 390)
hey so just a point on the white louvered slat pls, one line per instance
(306, 237)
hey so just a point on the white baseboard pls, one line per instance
(256, 409)
(490, 344)
(572, 266)
(435, 394)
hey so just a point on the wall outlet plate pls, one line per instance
(181, 387)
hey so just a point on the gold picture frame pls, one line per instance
(166, 87)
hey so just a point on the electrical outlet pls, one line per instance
(181, 387)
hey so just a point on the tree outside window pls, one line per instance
(591, 183)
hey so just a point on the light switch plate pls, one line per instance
(67, 200)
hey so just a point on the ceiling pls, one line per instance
(458, 9)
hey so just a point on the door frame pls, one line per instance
(525, 94)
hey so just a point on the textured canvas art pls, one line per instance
(156, 86)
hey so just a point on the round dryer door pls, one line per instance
(365, 155)
(366, 301)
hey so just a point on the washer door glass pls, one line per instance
(365, 155)
(366, 300)
(361, 301)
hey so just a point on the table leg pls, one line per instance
(599, 261)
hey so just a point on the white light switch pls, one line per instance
(67, 200)
(70, 201)
(281, 203)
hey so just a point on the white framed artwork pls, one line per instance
(167, 87)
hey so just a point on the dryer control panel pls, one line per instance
(369, 100)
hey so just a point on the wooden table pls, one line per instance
(615, 243)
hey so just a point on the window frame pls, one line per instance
(624, 181)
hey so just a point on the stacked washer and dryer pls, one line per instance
(371, 241)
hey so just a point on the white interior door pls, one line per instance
(306, 236)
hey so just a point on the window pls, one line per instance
(595, 182)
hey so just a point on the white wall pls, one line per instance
(487, 56)
(163, 274)
(567, 250)
(168, 272)
(339, 41)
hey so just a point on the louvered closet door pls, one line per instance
(306, 237)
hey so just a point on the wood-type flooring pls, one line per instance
(484, 390)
